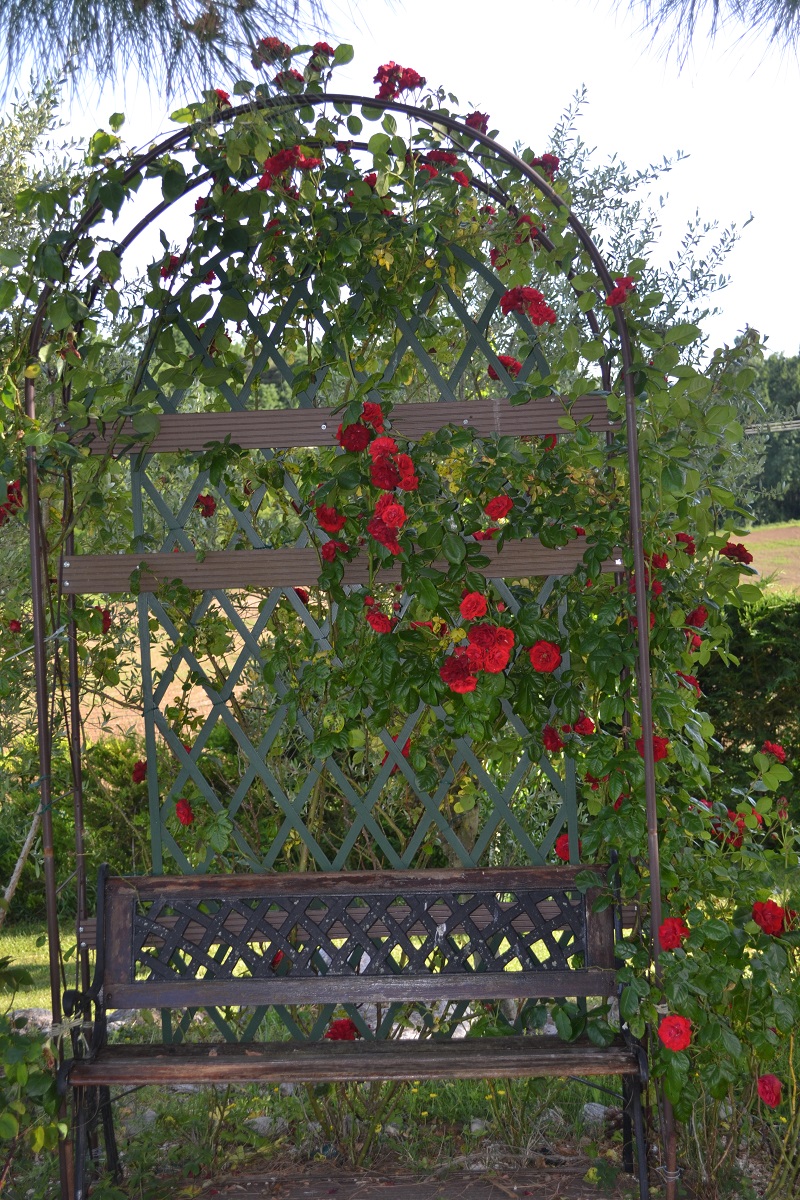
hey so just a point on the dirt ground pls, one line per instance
(319, 1183)
(776, 550)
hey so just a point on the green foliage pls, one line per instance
(753, 699)
(778, 497)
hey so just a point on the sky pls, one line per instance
(732, 109)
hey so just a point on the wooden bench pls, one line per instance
(363, 938)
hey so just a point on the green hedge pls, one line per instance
(758, 700)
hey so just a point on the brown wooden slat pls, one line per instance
(285, 428)
(294, 566)
(357, 989)
(277, 1062)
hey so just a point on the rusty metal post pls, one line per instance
(38, 582)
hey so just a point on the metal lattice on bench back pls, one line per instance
(365, 937)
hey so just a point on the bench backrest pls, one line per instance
(339, 937)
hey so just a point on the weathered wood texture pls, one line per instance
(293, 566)
(286, 428)
(341, 937)
(274, 1062)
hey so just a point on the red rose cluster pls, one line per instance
(621, 290)
(528, 300)
(13, 501)
(736, 552)
(170, 266)
(735, 837)
(139, 772)
(660, 561)
(343, 1030)
(394, 79)
(389, 516)
(488, 649)
(270, 50)
(290, 75)
(512, 366)
(389, 468)
(222, 96)
(697, 617)
(775, 749)
(550, 740)
(686, 542)
(548, 163)
(286, 160)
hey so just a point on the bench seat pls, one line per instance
(314, 1062)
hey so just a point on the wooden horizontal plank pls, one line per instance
(88, 928)
(354, 883)
(405, 1059)
(294, 566)
(288, 427)
(188, 992)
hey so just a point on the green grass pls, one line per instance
(19, 943)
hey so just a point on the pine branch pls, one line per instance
(675, 22)
(176, 44)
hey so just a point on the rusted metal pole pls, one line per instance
(38, 581)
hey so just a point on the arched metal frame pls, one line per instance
(175, 142)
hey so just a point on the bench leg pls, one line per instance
(81, 1142)
(109, 1136)
(627, 1127)
(641, 1139)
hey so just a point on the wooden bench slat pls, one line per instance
(356, 989)
(405, 1059)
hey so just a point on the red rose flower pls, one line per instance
(477, 120)
(391, 512)
(170, 266)
(405, 752)
(445, 157)
(379, 622)
(562, 847)
(139, 772)
(384, 534)
(206, 505)
(301, 594)
(485, 535)
(550, 740)
(498, 507)
(672, 932)
(656, 587)
(769, 1089)
(695, 641)
(288, 77)
(105, 615)
(584, 726)
(769, 916)
(528, 300)
(512, 365)
(675, 1032)
(697, 617)
(331, 549)
(455, 672)
(409, 481)
(183, 811)
(544, 656)
(660, 747)
(690, 681)
(222, 97)
(383, 447)
(329, 519)
(527, 227)
(383, 473)
(462, 178)
(687, 541)
(353, 438)
(473, 605)
(277, 959)
(372, 414)
(14, 626)
(660, 561)
(624, 285)
(322, 50)
(550, 441)
(496, 659)
(736, 552)
(428, 170)
(579, 531)
(775, 749)
(343, 1030)
(548, 162)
